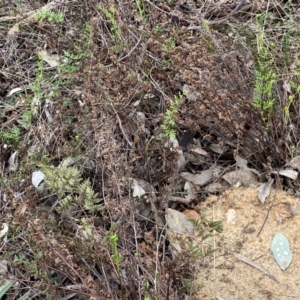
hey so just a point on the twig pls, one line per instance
(272, 204)
(180, 200)
(121, 126)
(128, 54)
(255, 265)
(237, 8)
(117, 115)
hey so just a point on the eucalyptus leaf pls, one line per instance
(281, 250)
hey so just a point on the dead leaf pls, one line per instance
(143, 188)
(13, 162)
(219, 149)
(13, 32)
(249, 63)
(287, 86)
(200, 151)
(244, 177)
(138, 188)
(255, 265)
(21, 209)
(51, 59)
(295, 163)
(241, 162)
(195, 159)
(189, 190)
(264, 190)
(173, 145)
(217, 187)
(178, 222)
(287, 173)
(14, 91)
(175, 242)
(48, 116)
(199, 178)
(191, 214)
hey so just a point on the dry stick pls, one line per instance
(117, 115)
(255, 265)
(129, 53)
(237, 8)
(267, 214)
(180, 200)
(121, 126)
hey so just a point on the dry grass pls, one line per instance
(120, 64)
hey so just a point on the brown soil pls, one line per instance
(226, 276)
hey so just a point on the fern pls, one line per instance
(67, 183)
(205, 227)
(88, 197)
(198, 253)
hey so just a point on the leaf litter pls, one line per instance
(112, 121)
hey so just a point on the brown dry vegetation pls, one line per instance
(103, 107)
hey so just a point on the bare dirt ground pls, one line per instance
(119, 120)
(227, 275)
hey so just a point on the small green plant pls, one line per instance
(198, 253)
(265, 77)
(11, 136)
(49, 16)
(74, 57)
(79, 51)
(212, 44)
(167, 62)
(169, 45)
(39, 76)
(112, 241)
(141, 11)
(110, 16)
(87, 227)
(41, 83)
(118, 47)
(26, 119)
(287, 108)
(159, 30)
(169, 118)
(66, 182)
(191, 287)
(30, 264)
(207, 228)
(115, 29)
(295, 89)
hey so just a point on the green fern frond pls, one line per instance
(198, 253)
(205, 227)
(67, 183)
(66, 203)
(89, 198)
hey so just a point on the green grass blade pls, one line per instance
(6, 288)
